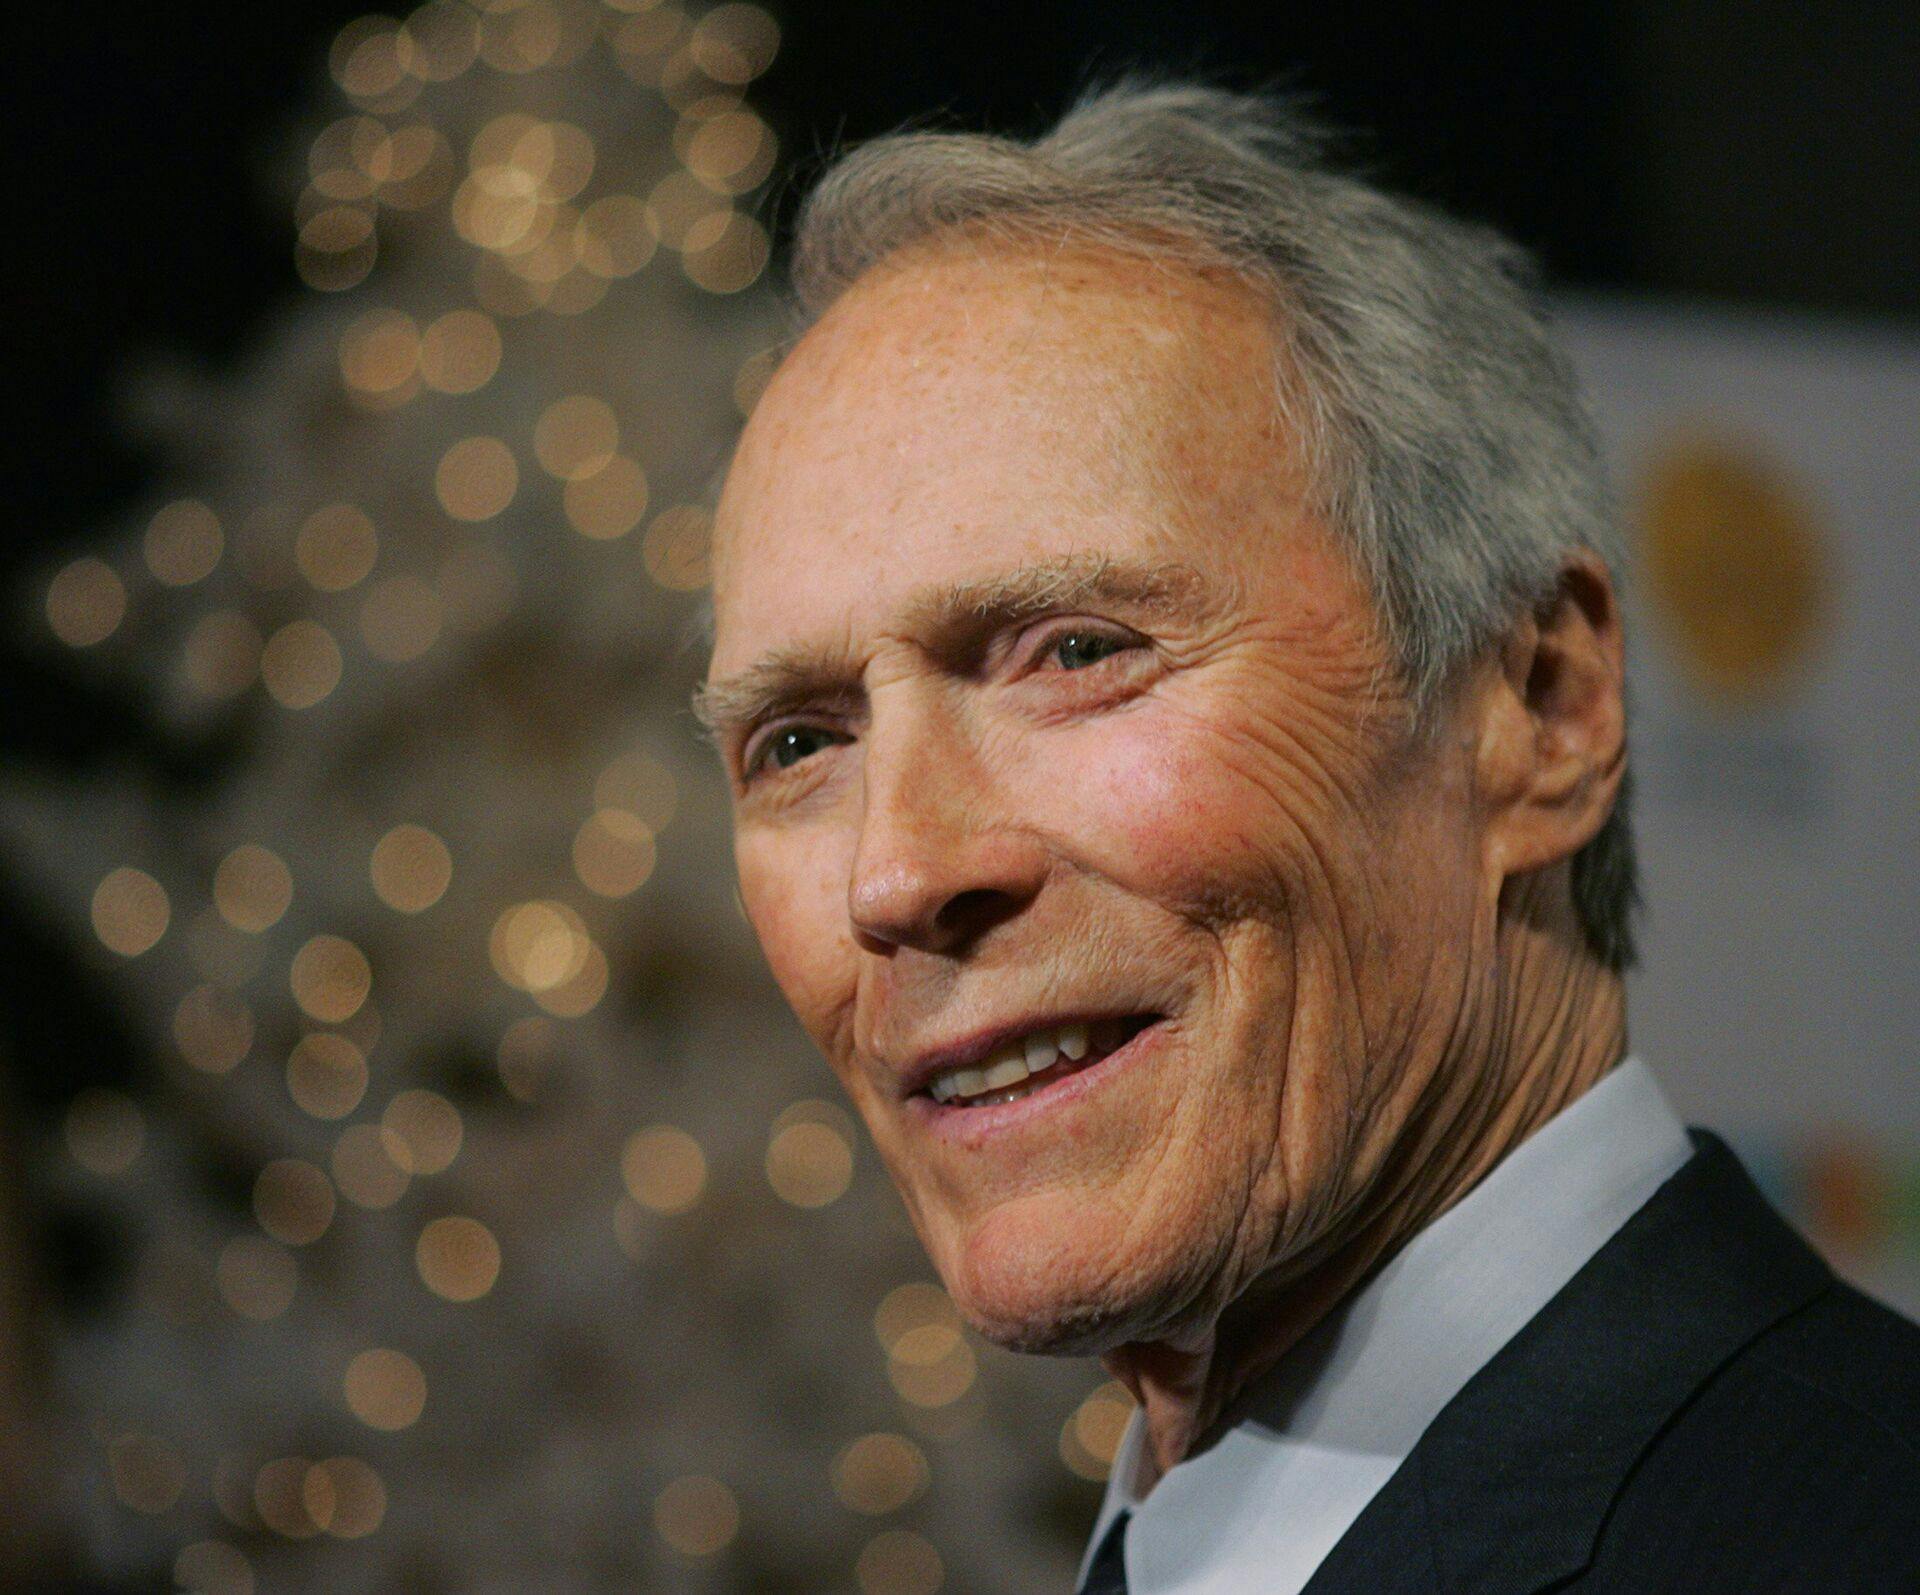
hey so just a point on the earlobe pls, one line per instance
(1553, 736)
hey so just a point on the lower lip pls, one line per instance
(966, 1127)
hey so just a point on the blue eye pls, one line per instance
(784, 749)
(1075, 650)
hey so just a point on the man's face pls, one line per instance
(1056, 718)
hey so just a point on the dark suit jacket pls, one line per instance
(1703, 1409)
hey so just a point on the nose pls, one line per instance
(940, 859)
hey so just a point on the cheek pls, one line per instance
(794, 891)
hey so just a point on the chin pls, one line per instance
(1073, 1290)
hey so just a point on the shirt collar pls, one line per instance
(1326, 1428)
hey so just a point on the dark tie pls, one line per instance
(1107, 1575)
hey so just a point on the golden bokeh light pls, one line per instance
(539, 946)
(499, 207)
(330, 978)
(345, 1497)
(293, 1201)
(725, 145)
(934, 1383)
(458, 1258)
(734, 44)
(221, 655)
(615, 236)
(183, 543)
(725, 252)
(350, 158)
(252, 888)
(679, 201)
(130, 911)
(528, 1056)
(476, 479)
(1091, 1435)
(427, 1128)
(326, 1074)
(369, 1164)
(257, 1278)
(809, 1164)
(213, 1567)
(643, 786)
(523, 38)
(336, 548)
(610, 502)
(663, 1168)
(148, 1474)
(576, 436)
(337, 247)
(678, 548)
(411, 869)
(380, 354)
(443, 40)
(400, 619)
(300, 664)
(641, 43)
(86, 601)
(280, 1498)
(580, 992)
(911, 1307)
(613, 853)
(385, 1389)
(880, 1473)
(420, 168)
(105, 1131)
(460, 353)
(213, 1029)
(697, 1515)
(899, 1562)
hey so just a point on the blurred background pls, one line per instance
(408, 1177)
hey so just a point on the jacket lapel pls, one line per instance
(1508, 1488)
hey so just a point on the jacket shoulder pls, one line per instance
(1797, 1466)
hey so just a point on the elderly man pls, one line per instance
(1169, 666)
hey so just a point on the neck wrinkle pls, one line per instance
(1559, 1024)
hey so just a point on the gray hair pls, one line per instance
(1442, 425)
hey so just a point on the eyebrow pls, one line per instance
(943, 614)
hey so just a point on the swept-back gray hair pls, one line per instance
(1442, 426)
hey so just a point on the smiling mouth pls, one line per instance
(1031, 1063)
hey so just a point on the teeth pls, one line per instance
(1012, 1065)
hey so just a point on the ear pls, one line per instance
(1552, 725)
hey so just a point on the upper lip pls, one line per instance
(970, 1050)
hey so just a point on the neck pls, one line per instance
(1562, 1034)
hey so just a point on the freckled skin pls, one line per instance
(1227, 824)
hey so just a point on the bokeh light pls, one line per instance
(327, 1074)
(330, 978)
(609, 502)
(678, 548)
(477, 479)
(411, 868)
(385, 1389)
(370, 1165)
(213, 1029)
(252, 888)
(663, 1168)
(130, 911)
(879, 1473)
(1091, 1435)
(613, 852)
(810, 1154)
(256, 1277)
(105, 1130)
(460, 353)
(425, 1129)
(697, 1515)
(183, 543)
(293, 1201)
(300, 664)
(640, 784)
(86, 602)
(899, 1562)
(221, 655)
(458, 1258)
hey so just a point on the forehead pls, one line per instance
(962, 412)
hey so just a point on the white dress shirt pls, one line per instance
(1320, 1435)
